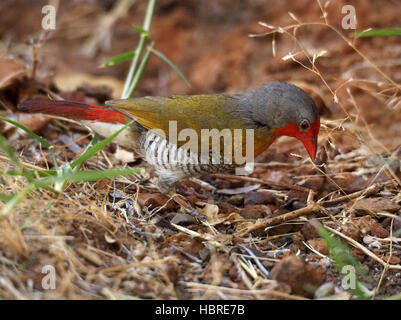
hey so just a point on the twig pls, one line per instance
(257, 261)
(265, 182)
(280, 294)
(366, 192)
(312, 207)
(137, 265)
(387, 262)
(103, 31)
(188, 255)
(362, 248)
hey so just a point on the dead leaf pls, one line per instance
(375, 205)
(239, 190)
(124, 155)
(368, 225)
(153, 200)
(90, 256)
(10, 72)
(183, 219)
(209, 210)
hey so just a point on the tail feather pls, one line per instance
(73, 110)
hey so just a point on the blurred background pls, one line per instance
(208, 41)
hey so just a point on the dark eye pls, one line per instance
(304, 125)
(259, 124)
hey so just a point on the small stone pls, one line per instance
(236, 200)
(309, 231)
(351, 231)
(368, 225)
(319, 245)
(255, 197)
(183, 219)
(302, 277)
(255, 212)
(315, 183)
(359, 254)
(379, 231)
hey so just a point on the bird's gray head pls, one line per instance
(283, 109)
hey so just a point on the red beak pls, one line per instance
(310, 146)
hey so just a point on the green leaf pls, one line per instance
(118, 59)
(140, 30)
(171, 64)
(379, 32)
(90, 152)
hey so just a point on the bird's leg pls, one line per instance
(187, 206)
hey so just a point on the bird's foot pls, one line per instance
(179, 199)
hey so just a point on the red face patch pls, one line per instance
(308, 138)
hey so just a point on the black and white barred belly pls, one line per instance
(170, 158)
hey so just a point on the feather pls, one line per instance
(73, 110)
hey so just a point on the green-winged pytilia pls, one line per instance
(272, 110)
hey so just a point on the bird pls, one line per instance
(269, 111)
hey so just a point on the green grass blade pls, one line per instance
(140, 30)
(140, 70)
(87, 175)
(379, 32)
(171, 64)
(90, 152)
(342, 257)
(31, 173)
(34, 136)
(9, 151)
(120, 58)
(15, 200)
(5, 197)
(80, 176)
(144, 31)
(394, 297)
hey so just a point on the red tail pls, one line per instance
(73, 110)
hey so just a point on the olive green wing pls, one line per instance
(190, 112)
